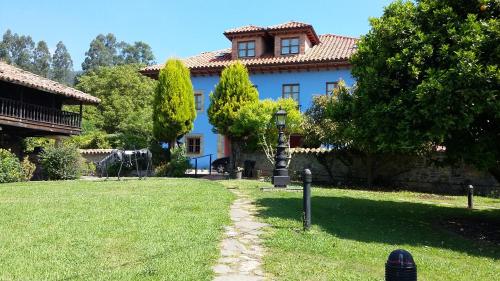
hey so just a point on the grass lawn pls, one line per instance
(157, 229)
(354, 231)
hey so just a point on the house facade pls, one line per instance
(284, 61)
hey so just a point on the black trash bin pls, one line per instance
(400, 267)
(248, 167)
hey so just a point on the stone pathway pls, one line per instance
(241, 249)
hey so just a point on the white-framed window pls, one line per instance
(246, 49)
(330, 86)
(194, 144)
(291, 91)
(198, 100)
(290, 46)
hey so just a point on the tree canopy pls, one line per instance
(42, 59)
(234, 91)
(105, 50)
(20, 50)
(62, 64)
(125, 109)
(256, 122)
(173, 106)
(427, 74)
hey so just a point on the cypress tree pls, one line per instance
(234, 91)
(173, 105)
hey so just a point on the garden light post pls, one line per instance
(280, 174)
(470, 196)
(306, 199)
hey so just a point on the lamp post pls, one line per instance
(280, 174)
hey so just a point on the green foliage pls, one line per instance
(428, 75)
(92, 139)
(173, 106)
(62, 64)
(322, 119)
(123, 118)
(234, 91)
(105, 50)
(89, 169)
(160, 154)
(179, 162)
(256, 121)
(30, 143)
(161, 170)
(19, 50)
(27, 169)
(61, 162)
(42, 60)
(10, 168)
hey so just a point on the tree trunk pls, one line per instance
(235, 154)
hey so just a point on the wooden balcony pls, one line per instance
(38, 118)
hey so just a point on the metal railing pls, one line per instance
(37, 113)
(196, 163)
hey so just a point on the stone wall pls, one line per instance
(416, 174)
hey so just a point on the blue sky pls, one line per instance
(174, 28)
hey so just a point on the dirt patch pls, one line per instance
(433, 197)
(482, 230)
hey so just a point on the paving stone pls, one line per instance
(241, 248)
(222, 269)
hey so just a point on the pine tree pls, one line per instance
(42, 59)
(62, 65)
(173, 105)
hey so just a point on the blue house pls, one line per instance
(285, 60)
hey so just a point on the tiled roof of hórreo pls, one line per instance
(12, 74)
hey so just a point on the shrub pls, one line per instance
(89, 169)
(177, 166)
(179, 162)
(10, 168)
(27, 169)
(161, 170)
(61, 162)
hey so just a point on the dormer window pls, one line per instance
(246, 49)
(290, 46)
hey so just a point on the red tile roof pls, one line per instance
(246, 28)
(331, 48)
(288, 25)
(12, 74)
(283, 27)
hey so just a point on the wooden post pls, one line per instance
(81, 115)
